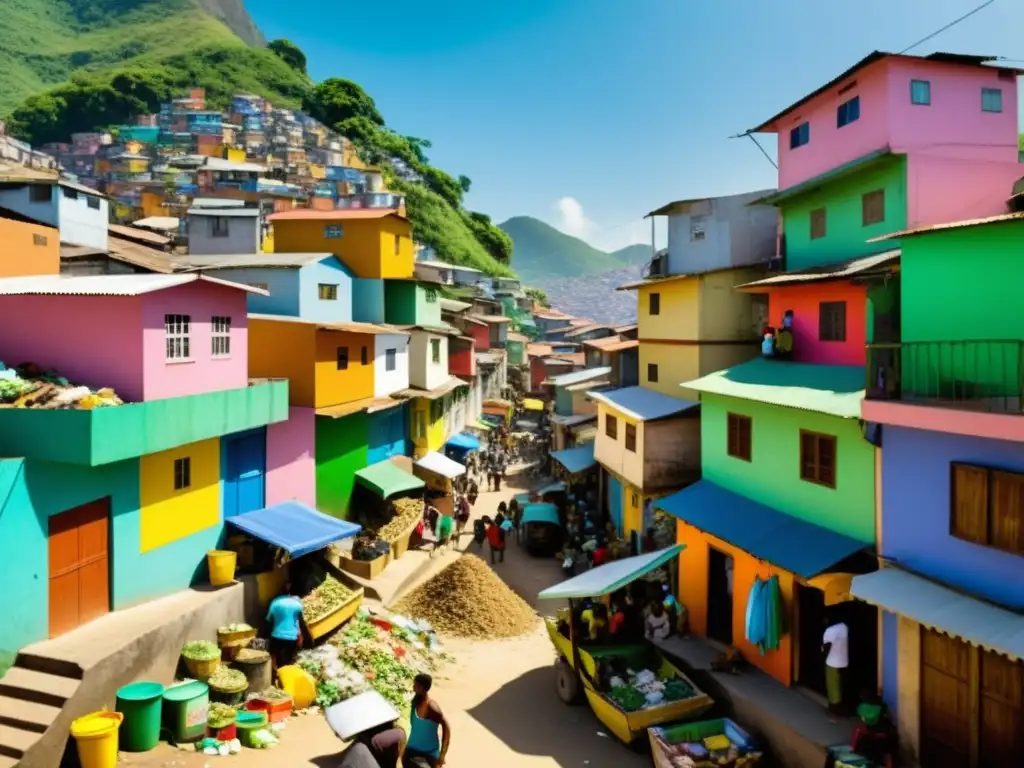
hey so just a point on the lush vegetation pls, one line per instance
(290, 53)
(538, 296)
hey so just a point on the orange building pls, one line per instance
(27, 247)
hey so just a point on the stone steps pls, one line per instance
(32, 694)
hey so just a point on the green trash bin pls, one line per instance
(140, 703)
(185, 708)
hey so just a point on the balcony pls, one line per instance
(986, 376)
(106, 435)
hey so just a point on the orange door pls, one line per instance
(79, 566)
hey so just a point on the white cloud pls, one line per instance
(572, 219)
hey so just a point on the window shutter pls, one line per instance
(808, 457)
(1007, 512)
(970, 503)
(743, 435)
(826, 460)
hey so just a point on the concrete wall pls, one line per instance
(243, 235)
(678, 316)
(283, 285)
(805, 301)
(386, 382)
(334, 386)
(341, 451)
(18, 199)
(410, 303)
(734, 234)
(366, 245)
(168, 514)
(424, 372)
(291, 464)
(330, 271)
(726, 314)
(942, 189)
(368, 301)
(82, 223)
(29, 249)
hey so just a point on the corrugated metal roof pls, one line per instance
(833, 389)
(643, 404)
(369, 405)
(578, 376)
(578, 459)
(963, 224)
(784, 541)
(584, 329)
(626, 328)
(105, 285)
(940, 608)
(576, 358)
(538, 350)
(134, 233)
(451, 305)
(652, 281)
(432, 394)
(220, 164)
(587, 386)
(579, 322)
(217, 202)
(139, 256)
(573, 420)
(337, 214)
(841, 271)
(162, 223)
(446, 265)
(493, 319)
(238, 213)
(370, 328)
(250, 260)
(622, 345)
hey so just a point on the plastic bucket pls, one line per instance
(298, 684)
(96, 738)
(249, 723)
(221, 563)
(185, 709)
(140, 703)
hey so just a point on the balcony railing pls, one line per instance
(976, 375)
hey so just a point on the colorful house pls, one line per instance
(124, 506)
(29, 247)
(648, 445)
(621, 355)
(227, 231)
(787, 489)
(433, 390)
(410, 302)
(690, 321)
(497, 330)
(80, 213)
(945, 398)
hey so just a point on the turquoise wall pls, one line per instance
(341, 451)
(367, 300)
(845, 233)
(406, 303)
(772, 477)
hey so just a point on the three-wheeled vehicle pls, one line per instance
(577, 672)
(541, 529)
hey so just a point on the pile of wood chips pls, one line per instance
(467, 599)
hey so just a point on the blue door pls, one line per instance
(245, 463)
(614, 490)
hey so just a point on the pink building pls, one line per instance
(291, 464)
(148, 336)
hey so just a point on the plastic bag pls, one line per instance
(654, 698)
(645, 676)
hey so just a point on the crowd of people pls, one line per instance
(644, 611)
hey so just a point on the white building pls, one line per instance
(80, 213)
(428, 359)
(390, 363)
(447, 274)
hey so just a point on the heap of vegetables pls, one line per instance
(228, 680)
(325, 599)
(200, 650)
(220, 715)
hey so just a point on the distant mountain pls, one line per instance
(540, 252)
(595, 297)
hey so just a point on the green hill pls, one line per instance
(539, 251)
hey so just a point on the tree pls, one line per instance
(418, 145)
(290, 53)
(336, 100)
(538, 295)
(465, 182)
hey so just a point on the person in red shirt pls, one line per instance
(496, 538)
(600, 555)
(617, 617)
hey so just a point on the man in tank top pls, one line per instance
(429, 732)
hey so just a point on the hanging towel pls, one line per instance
(756, 614)
(773, 611)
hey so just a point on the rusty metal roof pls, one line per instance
(964, 224)
(538, 350)
(337, 214)
(134, 233)
(844, 270)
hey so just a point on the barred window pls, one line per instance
(177, 329)
(221, 339)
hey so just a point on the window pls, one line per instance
(182, 473)
(342, 358)
(817, 223)
(327, 292)
(697, 231)
(221, 338)
(611, 426)
(654, 304)
(390, 359)
(832, 321)
(818, 458)
(218, 226)
(991, 100)
(39, 240)
(364, 356)
(987, 507)
(631, 438)
(652, 373)
(431, 296)
(398, 245)
(848, 112)
(800, 135)
(93, 202)
(435, 350)
(738, 443)
(70, 194)
(872, 207)
(333, 232)
(176, 336)
(921, 92)
(39, 193)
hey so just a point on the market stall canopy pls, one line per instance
(540, 513)
(578, 459)
(359, 714)
(937, 607)
(441, 465)
(386, 479)
(533, 404)
(294, 527)
(465, 441)
(759, 530)
(611, 577)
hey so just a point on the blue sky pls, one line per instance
(589, 113)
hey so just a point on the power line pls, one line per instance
(763, 152)
(951, 24)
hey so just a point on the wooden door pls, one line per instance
(1001, 705)
(79, 566)
(945, 701)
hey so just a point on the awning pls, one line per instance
(436, 393)
(611, 577)
(765, 533)
(385, 478)
(533, 404)
(540, 513)
(577, 459)
(294, 527)
(556, 487)
(940, 608)
(465, 441)
(441, 465)
(483, 424)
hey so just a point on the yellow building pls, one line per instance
(374, 243)
(179, 493)
(427, 425)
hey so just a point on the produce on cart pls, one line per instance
(706, 744)
(325, 599)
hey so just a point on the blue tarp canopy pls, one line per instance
(611, 577)
(780, 539)
(465, 441)
(541, 513)
(576, 459)
(937, 607)
(294, 527)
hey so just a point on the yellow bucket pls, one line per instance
(222, 566)
(298, 684)
(96, 739)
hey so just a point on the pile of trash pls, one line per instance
(29, 386)
(467, 599)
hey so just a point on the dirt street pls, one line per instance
(499, 697)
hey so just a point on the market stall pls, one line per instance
(719, 743)
(388, 501)
(630, 688)
(439, 473)
(541, 528)
(460, 446)
(500, 411)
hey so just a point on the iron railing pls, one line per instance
(977, 375)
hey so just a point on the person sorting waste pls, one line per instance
(284, 615)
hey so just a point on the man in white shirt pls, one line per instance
(835, 646)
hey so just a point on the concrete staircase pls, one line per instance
(32, 695)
